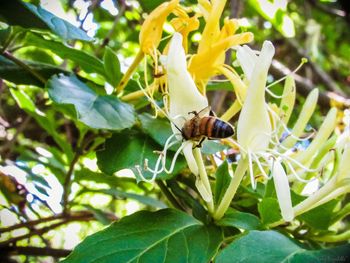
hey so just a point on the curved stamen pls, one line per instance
(173, 162)
(272, 94)
(307, 169)
(285, 128)
(251, 174)
(260, 166)
(298, 177)
(303, 61)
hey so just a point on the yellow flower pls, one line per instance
(210, 57)
(152, 28)
(184, 25)
(149, 38)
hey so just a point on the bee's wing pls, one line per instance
(204, 112)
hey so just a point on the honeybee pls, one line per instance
(201, 127)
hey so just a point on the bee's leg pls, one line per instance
(193, 112)
(199, 145)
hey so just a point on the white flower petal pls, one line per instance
(282, 190)
(183, 93)
(344, 166)
(247, 59)
(254, 126)
(191, 161)
(203, 190)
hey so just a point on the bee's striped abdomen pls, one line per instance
(206, 126)
(221, 129)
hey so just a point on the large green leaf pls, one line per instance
(241, 220)
(16, 12)
(158, 129)
(163, 236)
(84, 60)
(273, 247)
(96, 111)
(131, 149)
(12, 72)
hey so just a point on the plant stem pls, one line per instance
(310, 202)
(68, 178)
(45, 229)
(35, 251)
(232, 188)
(67, 181)
(203, 176)
(232, 111)
(24, 66)
(334, 238)
(28, 224)
(331, 190)
(136, 94)
(130, 71)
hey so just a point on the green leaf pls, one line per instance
(268, 246)
(112, 67)
(269, 210)
(99, 215)
(211, 147)
(223, 179)
(141, 198)
(16, 74)
(334, 254)
(163, 236)
(158, 129)
(130, 149)
(26, 15)
(23, 100)
(87, 175)
(96, 111)
(198, 210)
(234, 218)
(321, 216)
(87, 62)
(4, 34)
(273, 247)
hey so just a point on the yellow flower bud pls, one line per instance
(152, 28)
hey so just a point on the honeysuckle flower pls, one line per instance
(150, 37)
(254, 128)
(339, 183)
(184, 25)
(335, 187)
(209, 59)
(260, 131)
(152, 28)
(183, 97)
